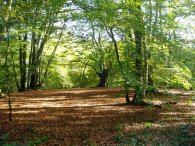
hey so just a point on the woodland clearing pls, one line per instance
(97, 116)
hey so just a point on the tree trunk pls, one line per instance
(111, 34)
(29, 69)
(33, 77)
(38, 43)
(139, 89)
(22, 58)
(51, 58)
(145, 66)
(127, 93)
(33, 82)
(150, 72)
(103, 78)
(138, 31)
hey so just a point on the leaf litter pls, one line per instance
(93, 116)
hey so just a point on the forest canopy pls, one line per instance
(140, 44)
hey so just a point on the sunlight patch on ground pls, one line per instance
(178, 91)
(80, 122)
(155, 102)
(140, 126)
(59, 101)
(26, 111)
(178, 113)
(186, 104)
(42, 105)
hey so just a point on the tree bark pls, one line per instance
(103, 78)
(22, 58)
(33, 76)
(139, 89)
(138, 32)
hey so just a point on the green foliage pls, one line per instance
(88, 42)
(35, 142)
(54, 80)
(173, 77)
(147, 124)
(38, 141)
(80, 78)
(184, 136)
(121, 139)
(118, 137)
(181, 137)
(4, 138)
(191, 100)
(151, 88)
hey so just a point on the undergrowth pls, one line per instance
(181, 136)
(35, 142)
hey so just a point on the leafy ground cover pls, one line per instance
(97, 116)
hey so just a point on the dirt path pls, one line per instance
(85, 116)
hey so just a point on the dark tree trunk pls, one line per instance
(103, 78)
(138, 61)
(33, 81)
(127, 97)
(33, 77)
(150, 72)
(127, 93)
(23, 65)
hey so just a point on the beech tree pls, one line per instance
(33, 24)
(130, 43)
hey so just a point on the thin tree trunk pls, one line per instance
(14, 69)
(145, 68)
(29, 69)
(8, 76)
(51, 58)
(150, 40)
(9, 104)
(111, 34)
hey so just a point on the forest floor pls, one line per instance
(97, 116)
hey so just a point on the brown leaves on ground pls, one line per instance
(84, 116)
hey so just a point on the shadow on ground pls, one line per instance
(81, 116)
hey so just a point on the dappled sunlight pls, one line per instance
(178, 92)
(153, 129)
(186, 103)
(25, 111)
(179, 114)
(82, 114)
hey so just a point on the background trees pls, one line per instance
(130, 43)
